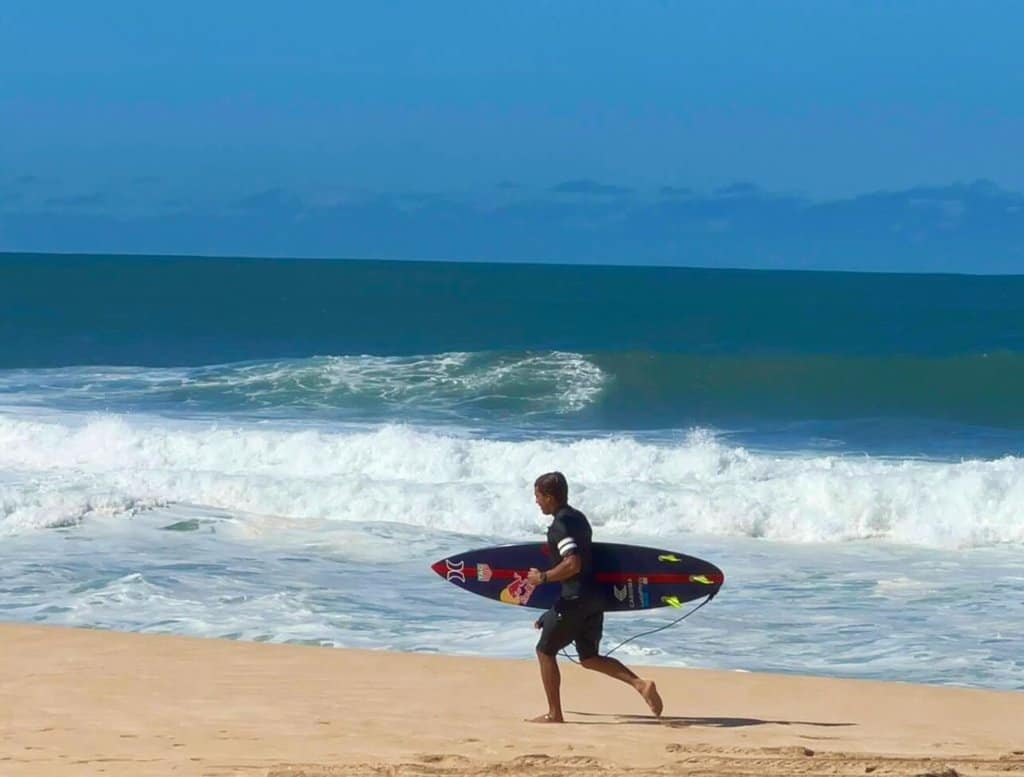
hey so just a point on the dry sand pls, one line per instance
(84, 702)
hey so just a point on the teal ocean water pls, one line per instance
(277, 449)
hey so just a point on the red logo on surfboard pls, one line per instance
(518, 591)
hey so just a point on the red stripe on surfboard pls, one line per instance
(470, 571)
(654, 578)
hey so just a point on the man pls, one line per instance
(577, 616)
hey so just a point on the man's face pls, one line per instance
(545, 502)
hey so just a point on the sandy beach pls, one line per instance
(80, 702)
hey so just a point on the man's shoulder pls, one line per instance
(569, 517)
(578, 514)
(557, 524)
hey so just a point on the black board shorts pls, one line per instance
(572, 620)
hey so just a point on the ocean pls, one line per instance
(277, 450)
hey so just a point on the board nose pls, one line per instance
(440, 567)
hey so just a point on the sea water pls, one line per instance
(278, 450)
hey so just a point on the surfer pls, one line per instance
(577, 616)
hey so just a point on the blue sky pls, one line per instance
(130, 105)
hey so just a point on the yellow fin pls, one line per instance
(701, 579)
(672, 601)
(672, 557)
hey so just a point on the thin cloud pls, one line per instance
(586, 186)
(675, 191)
(975, 227)
(78, 201)
(740, 189)
(270, 200)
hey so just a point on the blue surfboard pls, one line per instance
(628, 577)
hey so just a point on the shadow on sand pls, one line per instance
(682, 722)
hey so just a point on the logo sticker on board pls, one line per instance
(518, 591)
(455, 572)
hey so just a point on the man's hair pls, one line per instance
(553, 484)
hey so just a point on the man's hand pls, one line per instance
(534, 576)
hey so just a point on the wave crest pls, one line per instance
(461, 385)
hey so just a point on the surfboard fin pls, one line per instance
(672, 601)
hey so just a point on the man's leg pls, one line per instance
(587, 646)
(552, 639)
(551, 676)
(615, 668)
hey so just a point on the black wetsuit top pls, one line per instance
(568, 533)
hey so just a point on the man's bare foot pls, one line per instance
(650, 694)
(545, 719)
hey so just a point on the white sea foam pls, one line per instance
(63, 469)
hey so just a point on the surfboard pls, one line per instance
(629, 577)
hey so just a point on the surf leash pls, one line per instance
(681, 618)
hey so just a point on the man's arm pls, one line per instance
(565, 569)
(570, 563)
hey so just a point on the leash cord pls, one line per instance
(681, 618)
